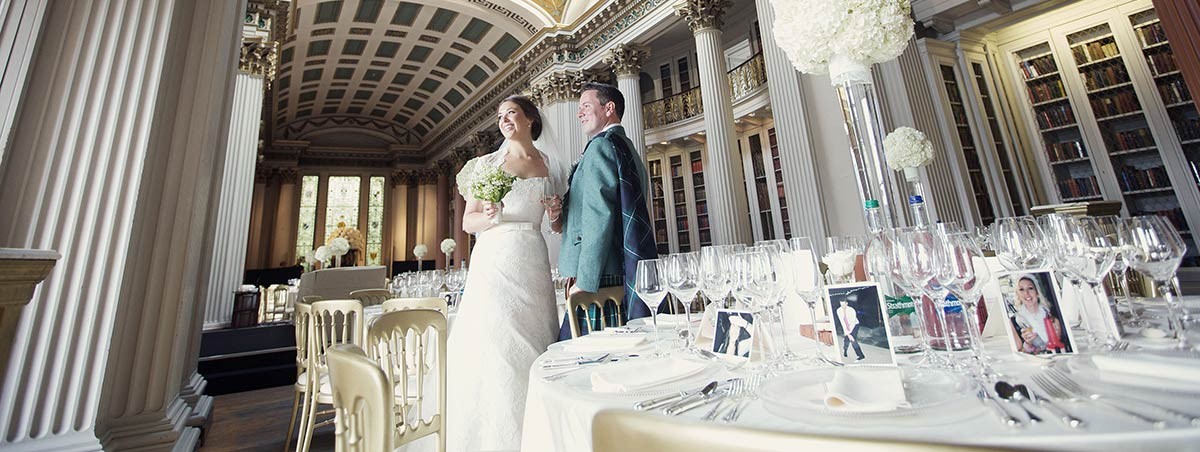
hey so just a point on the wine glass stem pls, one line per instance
(939, 310)
(1134, 317)
(1174, 316)
(787, 347)
(654, 318)
(973, 330)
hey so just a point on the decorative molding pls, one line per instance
(559, 86)
(627, 59)
(702, 14)
(20, 272)
(299, 129)
(258, 58)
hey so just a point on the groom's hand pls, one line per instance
(572, 289)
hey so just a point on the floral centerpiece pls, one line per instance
(338, 247)
(906, 150)
(353, 236)
(448, 249)
(486, 183)
(420, 251)
(840, 264)
(322, 255)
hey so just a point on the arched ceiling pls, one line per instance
(390, 70)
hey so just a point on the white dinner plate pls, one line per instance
(1085, 371)
(801, 396)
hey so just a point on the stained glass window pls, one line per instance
(375, 222)
(342, 203)
(308, 215)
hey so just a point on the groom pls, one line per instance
(607, 227)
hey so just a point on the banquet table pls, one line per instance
(558, 414)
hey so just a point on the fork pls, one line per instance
(1055, 391)
(737, 389)
(748, 395)
(1072, 386)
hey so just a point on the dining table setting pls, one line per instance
(1101, 367)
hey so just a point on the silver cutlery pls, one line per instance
(745, 395)
(574, 361)
(705, 399)
(1071, 386)
(702, 394)
(672, 398)
(999, 410)
(1062, 414)
(1009, 394)
(1053, 389)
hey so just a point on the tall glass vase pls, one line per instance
(864, 125)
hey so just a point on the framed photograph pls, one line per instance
(1035, 316)
(860, 330)
(734, 336)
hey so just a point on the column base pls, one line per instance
(193, 389)
(70, 442)
(154, 431)
(216, 325)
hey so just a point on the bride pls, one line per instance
(508, 315)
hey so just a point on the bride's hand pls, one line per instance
(491, 209)
(553, 206)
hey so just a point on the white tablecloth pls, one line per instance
(558, 417)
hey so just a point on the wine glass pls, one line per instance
(776, 252)
(715, 272)
(1120, 239)
(910, 288)
(925, 262)
(1155, 250)
(651, 287)
(1088, 254)
(969, 273)
(842, 250)
(682, 275)
(807, 283)
(1019, 243)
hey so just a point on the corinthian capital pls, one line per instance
(558, 86)
(627, 59)
(258, 58)
(702, 14)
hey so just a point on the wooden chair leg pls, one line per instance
(287, 445)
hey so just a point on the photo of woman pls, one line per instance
(1036, 325)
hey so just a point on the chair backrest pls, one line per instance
(302, 323)
(585, 300)
(311, 298)
(333, 322)
(400, 304)
(362, 401)
(273, 307)
(371, 297)
(636, 431)
(400, 341)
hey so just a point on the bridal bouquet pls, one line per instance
(907, 149)
(485, 183)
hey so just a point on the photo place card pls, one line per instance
(734, 336)
(860, 331)
(1035, 316)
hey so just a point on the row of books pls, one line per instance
(1046, 90)
(1173, 91)
(1117, 103)
(1175, 216)
(1038, 67)
(1065, 150)
(1097, 50)
(1161, 62)
(1079, 187)
(1151, 34)
(1105, 75)
(1187, 128)
(1132, 178)
(1057, 115)
(1132, 139)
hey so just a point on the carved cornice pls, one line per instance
(559, 86)
(426, 176)
(702, 14)
(258, 58)
(271, 175)
(446, 165)
(627, 59)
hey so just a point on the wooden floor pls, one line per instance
(257, 420)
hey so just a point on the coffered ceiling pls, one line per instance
(388, 73)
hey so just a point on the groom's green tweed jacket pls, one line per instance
(592, 242)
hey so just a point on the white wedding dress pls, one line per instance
(506, 320)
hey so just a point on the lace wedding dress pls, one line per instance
(506, 320)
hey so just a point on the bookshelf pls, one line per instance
(658, 206)
(679, 201)
(967, 144)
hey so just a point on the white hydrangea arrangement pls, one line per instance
(338, 246)
(840, 263)
(448, 246)
(907, 149)
(322, 254)
(420, 251)
(842, 37)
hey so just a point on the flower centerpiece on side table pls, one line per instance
(338, 247)
(353, 237)
(420, 251)
(907, 150)
(322, 255)
(844, 38)
(448, 249)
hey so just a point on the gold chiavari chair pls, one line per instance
(636, 431)
(585, 300)
(362, 401)
(331, 323)
(371, 297)
(400, 304)
(399, 342)
(301, 324)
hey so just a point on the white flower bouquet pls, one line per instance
(448, 246)
(338, 246)
(420, 251)
(907, 149)
(840, 263)
(486, 183)
(842, 37)
(322, 254)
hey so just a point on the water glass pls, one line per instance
(651, 287)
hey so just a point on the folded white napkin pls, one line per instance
(1148, 365)
(599, 342)
(866, 390)
(635, 375)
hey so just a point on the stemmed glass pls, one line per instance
(969, 272)
(651, 287)
(844, 245)
(896, 256)
(1155, 249)
(715, 272)
(778, 260)
(807, 283)
(1120, 238)
(926, 263)
(1087, 253)
(757, 282)
(682, 275)
(1019, 243)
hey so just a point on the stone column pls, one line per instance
(283, 234)
(443, 211)
(796, 151)
(20, 23)
(559, 92)
(258, 206)
(626, 61)
(413, 212)
(234, 191)
(114, 153)
(727, 211)
(398, 213)
(462, 240)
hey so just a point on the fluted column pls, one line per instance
(559, 92)
(443, 212)
(236, 189)
(723, 179)
(796, 151)
(626, 61)
(114, 152)
(283, 234)
(20, 23)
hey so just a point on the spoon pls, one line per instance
(1063, 415)
(1009, 393)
